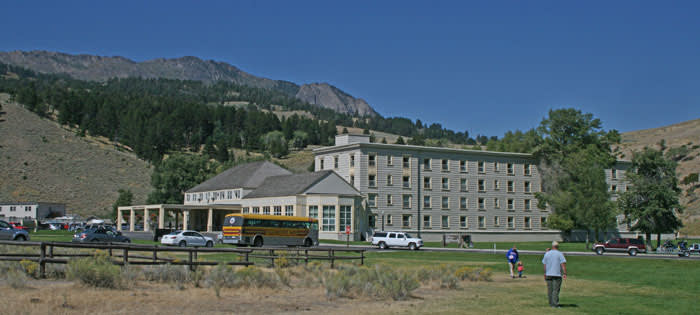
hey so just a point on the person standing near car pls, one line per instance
(512, 256)
(554, 272)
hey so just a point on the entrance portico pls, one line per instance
(207, 218)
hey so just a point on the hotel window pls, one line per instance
(372, 160)
(406, 220)
(511, 204)
(463, 202)
(321, 160)
(527, 204)
(463, 222)
(496, 184)
(406, 162)
(372, 181)
(427, 183)
(528, 171)
(426, 164)
(613, 188)
(482, 222)
(463, 184)
(266, 210)
(445, 202)
(511, 186)
(526, 187)
(445, 183)
(256, 210)
(406, 201)
(407, 182)
(372, 221)
(527, 223)
(482, 206)
(426, 202)
(313, 212)
(289, 210)
(229, 194)
(613, 174)
(426, 221)
(328, 218)
(496, 167)
(372, 200)
(389, 180)
(445, 165)
(188, 197)
(463, 166)
(510, 169)
(445, 222)
(388, 219)
(543, 222)
(246, 210)
(481, 167)
(511, 223)
(352, 180)
(497, 203)
(278, 210)
(389, 160)
(482, 185)
(352, 160)
(345, 217)
(389, 200)
(335, 162)
(496, 221)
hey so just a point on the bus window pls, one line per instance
(314, 226)
(233, 221)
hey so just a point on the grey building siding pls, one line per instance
(496, 169)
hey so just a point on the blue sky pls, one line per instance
(485, 67)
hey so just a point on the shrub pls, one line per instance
(255, 277)
(97, 271)
(474, 273)
(379, 282)
(30, 268)
(284, 276)
(17, 279)
(129, 275)
(167, 274)
(219, 277)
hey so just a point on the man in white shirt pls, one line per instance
(554, 271)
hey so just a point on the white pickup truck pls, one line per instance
(396, 239)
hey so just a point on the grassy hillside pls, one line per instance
(41, 161)
(685, 133)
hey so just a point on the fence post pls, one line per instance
(50, 250)
(126, 256)
(42, 263)
(246, 258)
(110, 250)
(190, 260)
(362, 258)
(155, 253)
(306, 257)
(331, 254)
(272, 258)
(443, 240)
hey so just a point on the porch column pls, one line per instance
(119, 219)
(185, 219)
(146, 224)
(161, 218)
(337, 217)
(210, 220)
(132, 220)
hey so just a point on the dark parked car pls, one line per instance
(630, 245)
(8, 232)
(100, 234)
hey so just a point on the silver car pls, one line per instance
(8, 232)
(186, 238)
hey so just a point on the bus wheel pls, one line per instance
(308, 242)
(258, 242)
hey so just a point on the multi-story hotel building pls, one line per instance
(434, 191)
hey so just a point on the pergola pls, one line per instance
(188, 212)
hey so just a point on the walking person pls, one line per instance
(554, 271)
(512, 256)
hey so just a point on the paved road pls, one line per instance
(525, 252)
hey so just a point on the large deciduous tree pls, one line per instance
(126, 198)
(573, 154)
(178, 173)
(651, 202)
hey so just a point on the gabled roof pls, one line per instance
(249, 175)
(290, 185)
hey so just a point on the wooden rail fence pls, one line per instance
(125, 253)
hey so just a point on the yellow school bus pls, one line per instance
(259, 230)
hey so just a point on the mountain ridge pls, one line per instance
(101, 68)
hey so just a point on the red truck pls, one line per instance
(630, 245)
